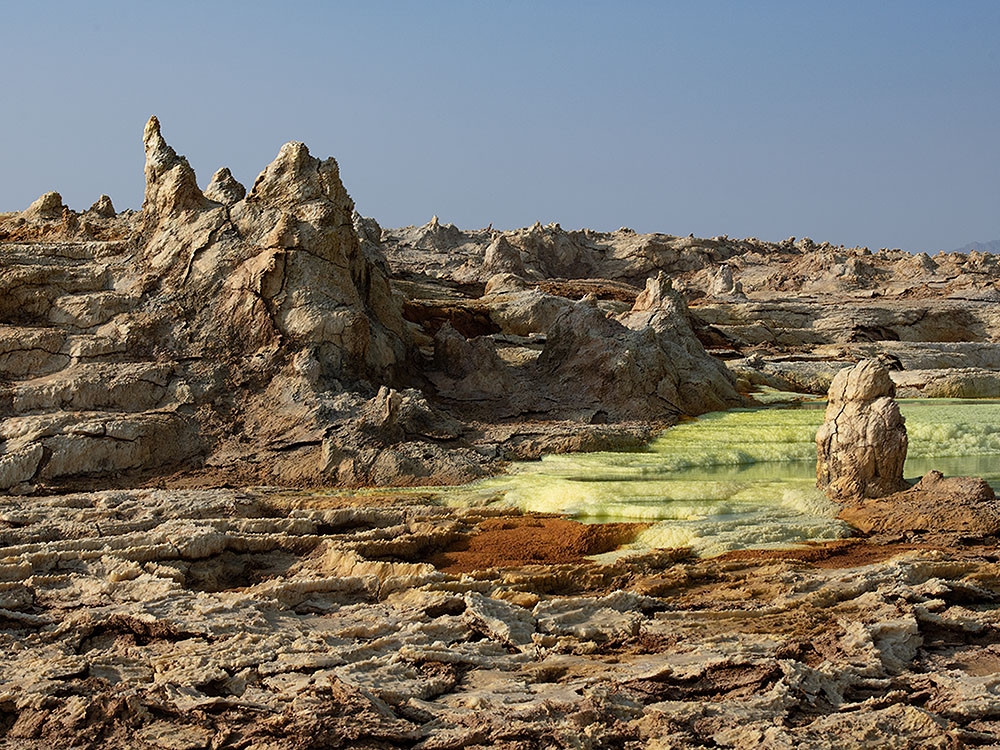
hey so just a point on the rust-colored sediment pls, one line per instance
(532, 540)
(514, 541)
(842, 553)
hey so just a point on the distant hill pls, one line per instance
(983, 247)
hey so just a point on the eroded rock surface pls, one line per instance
(247, 337)
(644, 362)
(278, 337)
(935, 505)
(226, 333)
(222, 618)
(861, 447)
(802, 309)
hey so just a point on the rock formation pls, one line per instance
(646, 362)
(280, 312)
(103, 207)
(224, 188)
(171, 186)
(215, 618)
(805, 308)
(502, 257)
(724, 285)
(142, 354)
(861, 446)
(935, 505)
(47, 206)
(234, 333)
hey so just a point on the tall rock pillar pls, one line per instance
(861, 446)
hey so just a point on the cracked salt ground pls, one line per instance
(740, 479)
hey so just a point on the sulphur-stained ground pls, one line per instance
(259, 619)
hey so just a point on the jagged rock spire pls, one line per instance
(103, 207)
(224, 188)
(46, 206)
(502, 257)
(171, 185)
(295, 177)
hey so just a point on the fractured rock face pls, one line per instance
(522, 311)
(312, 277)
(296, 177)
(171, 187)
(224, 188)
(46, 206)
(470, 369)
(141, 355)
(645, 364)
(396, 438)
(283, 266)
(861, 446)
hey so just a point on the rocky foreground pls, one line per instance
(222, 618)
(176, 385)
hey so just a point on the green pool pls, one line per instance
(737, 479)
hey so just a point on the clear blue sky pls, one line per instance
(862, 123)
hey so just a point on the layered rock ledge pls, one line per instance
(939, 506)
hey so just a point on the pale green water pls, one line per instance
(737, 479)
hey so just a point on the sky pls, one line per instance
(859, 123)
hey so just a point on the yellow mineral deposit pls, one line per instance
(740, 479)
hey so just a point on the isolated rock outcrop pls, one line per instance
(697, 381)
(723, 285)
(861, 447)
(103, 207)
(936, 505)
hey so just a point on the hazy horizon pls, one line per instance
(857, 124)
